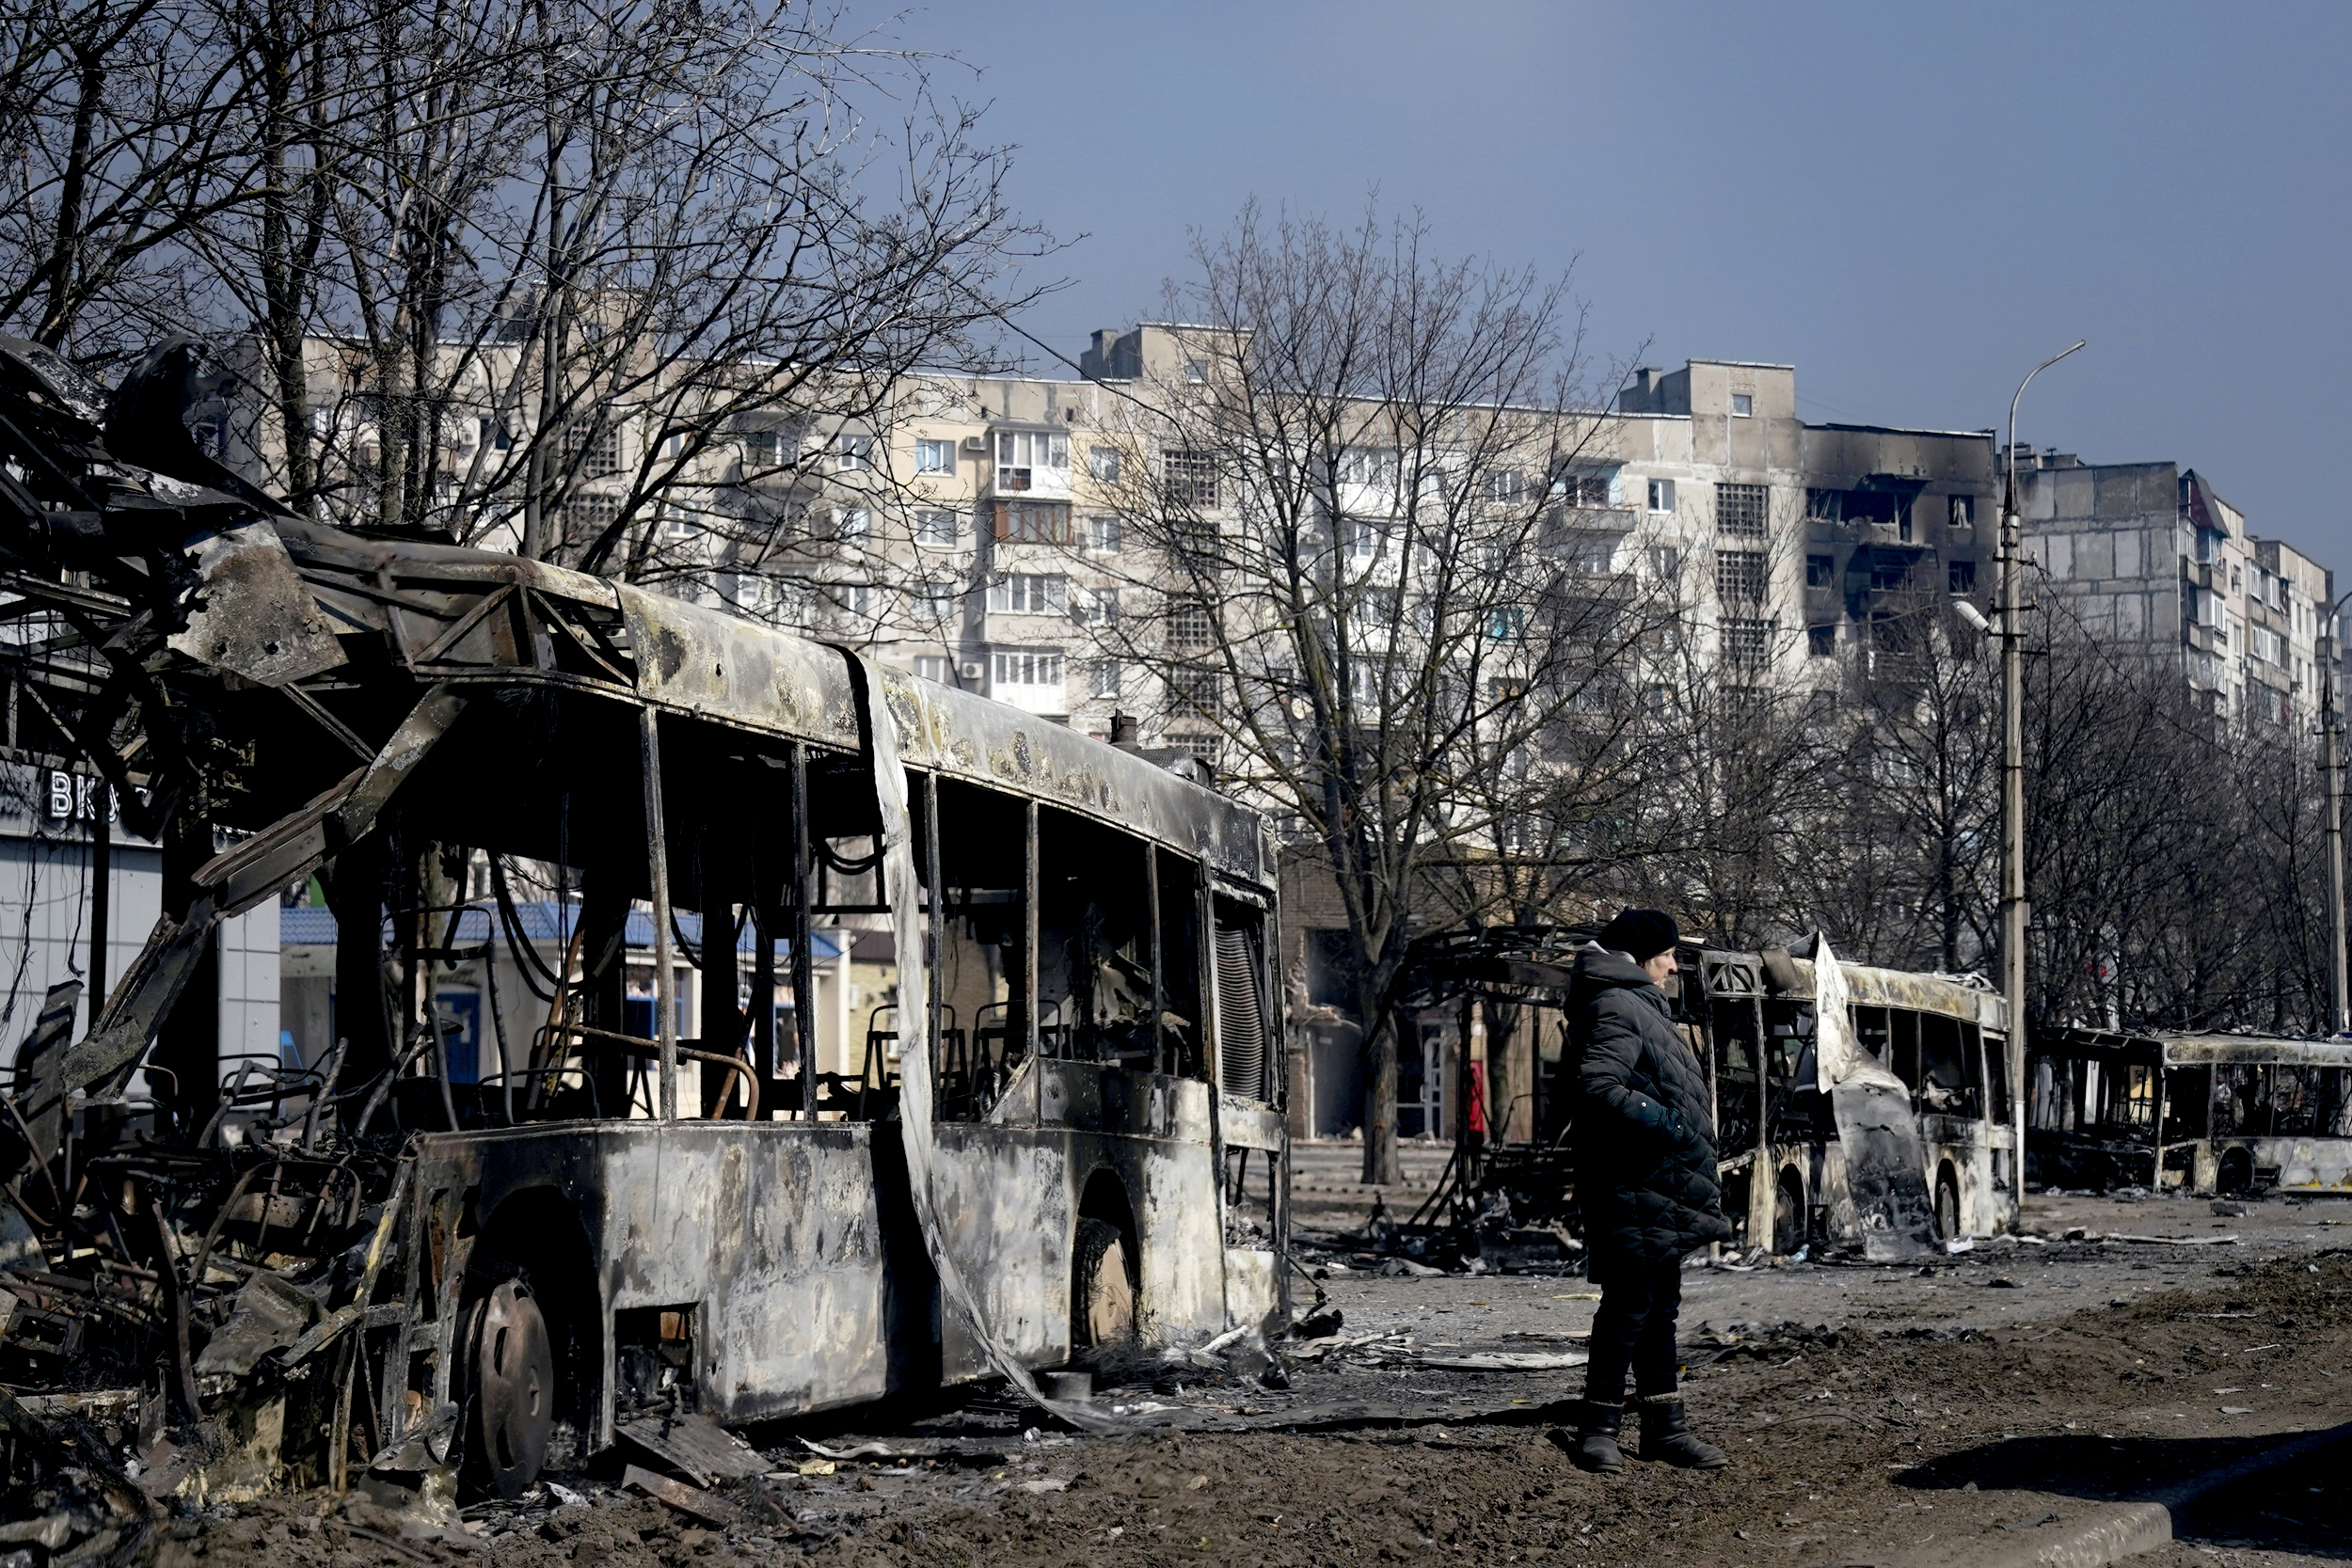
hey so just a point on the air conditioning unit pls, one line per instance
(974, 446)
(973, 671)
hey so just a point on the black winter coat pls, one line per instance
(1645, 1174)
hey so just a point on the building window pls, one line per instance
(1103, 535)
(1964, 512)
(1021, 453)
(1507, 622)
(1747, 644)
(855, 524)
(1959, 577)
(935, 667)
(1583, 489)
(934, 525)
(1029, 594)
(1743, 405)
(1192, 694)
(1035, 669)
(1102, 679)
(1095, 607)
(1033, 522)
(1503, 486)
(934, 457)
(1741, 508)
(1821, 642)
(858, 599)
(1188, 625)
(1662, 495)
(592, 448)
(1820, 571)
(1359, 540)
(1665, 561)
(1200, 748)
(935, 602)
(1102, 463)
(762, 448)
(1191, 474)
(1888, 577)
(852, 452)
(1740, 574)
(1196, 369)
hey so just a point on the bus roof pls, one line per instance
(2197, 1048)
(734, 672)
(1745, 973)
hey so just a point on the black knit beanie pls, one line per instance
(1640, 934)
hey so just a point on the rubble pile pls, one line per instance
(204, 1317)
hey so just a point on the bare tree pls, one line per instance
(1352, 483)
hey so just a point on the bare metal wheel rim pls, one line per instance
(514, 1390)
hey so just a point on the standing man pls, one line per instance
(1646, 1179)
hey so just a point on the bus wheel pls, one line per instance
(1946, 1205)
(1101, 1294)
(1788, 1213)
(514, 1385)
(2237, 1171)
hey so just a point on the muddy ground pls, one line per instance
(1875, 1414)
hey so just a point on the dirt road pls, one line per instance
(1875, 1415)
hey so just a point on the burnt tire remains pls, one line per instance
(512, 1363)
(1102, 1290)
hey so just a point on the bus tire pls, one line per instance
(1101, 1292)
(511, 1370)
(1946, 1205)
(1789, 1226)
(2236, 1174)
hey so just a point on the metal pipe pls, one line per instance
(1026, 964)
(102, 799)
(2013, 908)
(803, 964)
(657, 859)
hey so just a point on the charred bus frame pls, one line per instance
(1085, 1023)
(2199, 1112)
(1749, 1018)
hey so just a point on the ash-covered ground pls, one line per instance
(1922, 1414)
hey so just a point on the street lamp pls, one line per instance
(2332, 740)
(2013, 635)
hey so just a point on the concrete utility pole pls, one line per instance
(2332, 740)
(2013, 635)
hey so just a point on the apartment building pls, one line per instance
(2150, 554)
(1813, 542)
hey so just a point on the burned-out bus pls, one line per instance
(1069, 1129)
(1784, 1155)
(2188, 1112)
(1914, 1085)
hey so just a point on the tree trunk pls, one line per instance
(1380, 1164)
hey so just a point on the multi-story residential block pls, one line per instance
(2149, 555)
(1811, 542)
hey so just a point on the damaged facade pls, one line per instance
(2150, 554)
(373, 1268)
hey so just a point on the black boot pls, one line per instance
(1666, 1434)
(1596, 1439)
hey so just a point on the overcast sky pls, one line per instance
(1909, 204)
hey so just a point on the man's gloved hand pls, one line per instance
(1670, 1125)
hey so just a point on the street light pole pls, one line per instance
(2014, 781)
(2331, 742)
